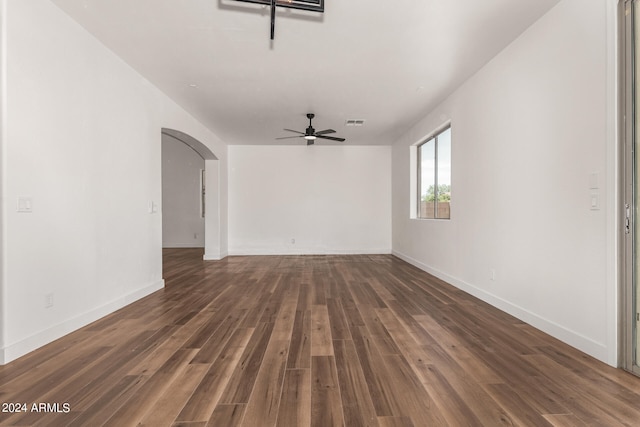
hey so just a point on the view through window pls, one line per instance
(434, 176)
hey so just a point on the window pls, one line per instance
(434, 176)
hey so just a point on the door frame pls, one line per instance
(629, 210)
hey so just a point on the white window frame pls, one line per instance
(417, 177)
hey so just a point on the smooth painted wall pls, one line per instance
(82, 141)
(3, 127)
(533, 139)
(309, 200)
(182, 219)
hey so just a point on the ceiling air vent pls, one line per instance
(354, 122)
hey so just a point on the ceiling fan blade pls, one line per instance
(289, 137)
(296, 131)
(330, 138)
(322, 132)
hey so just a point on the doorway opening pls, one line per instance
(191, 194)
(183, 192)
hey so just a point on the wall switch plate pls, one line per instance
(25, 204)
(48, 301)
(593, 181)
(595, 202)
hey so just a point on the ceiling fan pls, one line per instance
(311, 134)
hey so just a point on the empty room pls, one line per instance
(319, 213)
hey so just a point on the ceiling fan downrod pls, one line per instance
(273, 18)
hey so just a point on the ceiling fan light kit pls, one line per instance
(310, 5)
(310, 134)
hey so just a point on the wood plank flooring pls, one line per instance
(313, 341)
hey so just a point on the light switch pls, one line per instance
(25, 204)
(595, 202)
(593, 181)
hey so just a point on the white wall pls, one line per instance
(82, 140)
(529, 130)
(182, 220)
(330, 199)
(3, 128)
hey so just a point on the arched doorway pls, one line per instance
(211, 196)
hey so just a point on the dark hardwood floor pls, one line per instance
(312, 341)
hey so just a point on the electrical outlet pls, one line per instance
(492, 274)
(48, 301)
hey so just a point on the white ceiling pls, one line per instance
(387, 63)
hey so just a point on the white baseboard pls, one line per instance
(306, 251)
(582, 343)
(214, 255)
(208, 256)
(183, 245)
(27, 345)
